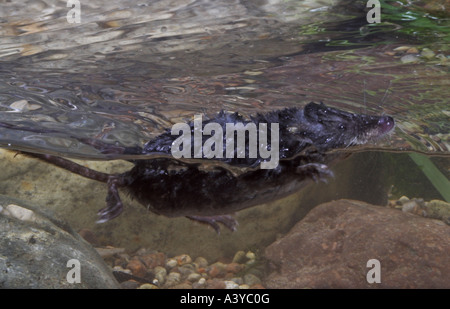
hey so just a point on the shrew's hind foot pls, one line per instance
(227, 220)
(316, 171)
(114, 206)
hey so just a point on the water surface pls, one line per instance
(131, 69)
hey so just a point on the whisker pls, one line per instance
(353, 141)
(385, 96)
(364, 92)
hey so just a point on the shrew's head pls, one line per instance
(328, 128)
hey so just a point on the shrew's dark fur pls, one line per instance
(208, 192)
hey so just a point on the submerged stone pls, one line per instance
(39, 252)
(332, 245)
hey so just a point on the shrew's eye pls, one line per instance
(341, 127)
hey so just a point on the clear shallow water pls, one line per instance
(130, 70)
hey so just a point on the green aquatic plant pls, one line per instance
(415, 21)
(439, 181)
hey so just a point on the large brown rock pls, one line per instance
(331, 246)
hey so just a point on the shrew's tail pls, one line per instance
(114, 204)
(71, 166)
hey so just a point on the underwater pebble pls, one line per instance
(427, 53)
(231, 285)
(216, 270)
(403, 199)
(194, 277)
(160, 274)
(174, 276)
(24, 105)
(200, 284)
(182, 286)
(415, 206)
(412, 50)
(171, 263)
(238, 280)
(409, 206)
(251, 279)
(239, 257)
(233, 268)
(250, 255)
(201, 262)
(121, 259)
(172, 279)
(409, 59)
(439, 210)
(401, 48)
(180, 272)
(121, 269)
(137, 268)
(129, 285)
(148, 286)
(257, 286)
(186, 270)
(442, 57)
(152, 260)
(215, 284)
(434, 209)
(201, 270)
(253, 73)
(250, 262)
(18, 212)
(183, 259)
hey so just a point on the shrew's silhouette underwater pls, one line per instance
(208, 192)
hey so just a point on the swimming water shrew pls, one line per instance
(205, 191)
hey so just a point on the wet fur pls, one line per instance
(207, 192)
(315, 125)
